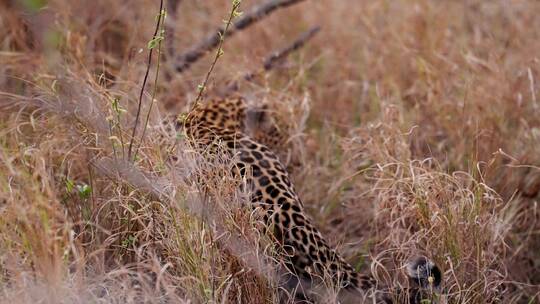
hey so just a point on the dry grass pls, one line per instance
(414, 125)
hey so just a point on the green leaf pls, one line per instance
(154, 42)
(84, 191)
(237, 14)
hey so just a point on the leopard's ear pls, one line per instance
(424, 273)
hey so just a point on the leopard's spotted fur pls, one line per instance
(308, 255)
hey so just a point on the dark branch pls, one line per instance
(298, 43)
(275, 57)
(256, 14)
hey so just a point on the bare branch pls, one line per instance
(298, 43)
(275, 57)
(256, 14)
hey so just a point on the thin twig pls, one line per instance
(256, 14)
(148, 65)
(271, 61)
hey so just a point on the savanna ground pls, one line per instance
(414, 128)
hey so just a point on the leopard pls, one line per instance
(306, 254)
